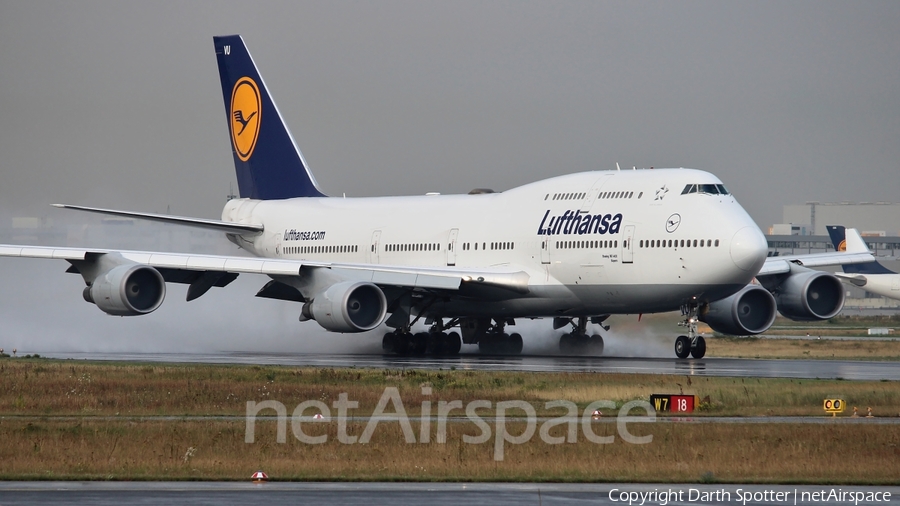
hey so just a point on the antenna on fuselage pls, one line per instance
(617, 166)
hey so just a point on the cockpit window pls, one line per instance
(709, 189)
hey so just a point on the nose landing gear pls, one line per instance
(692, 344)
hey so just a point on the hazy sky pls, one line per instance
(118, 104)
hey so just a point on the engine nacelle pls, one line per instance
(127, 290)
(810, 296)
(349, 306)
(748, 312)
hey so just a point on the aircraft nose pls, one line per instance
(748, 249)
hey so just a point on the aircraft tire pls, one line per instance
(436, 343)
(388, 342)
(514, 344)
(452, 343)
(401, 344)
(596, 344)
(682, 347)
(699, 350)
(566, 344)
(419, 343)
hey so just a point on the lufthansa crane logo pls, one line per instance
(843, 245)
(246, 109)
(673, 222)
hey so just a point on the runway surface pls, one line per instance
(435, 494)
(738, 367)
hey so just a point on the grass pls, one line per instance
(750, 453)
(67, 420)
(818, 349)
(62, 387)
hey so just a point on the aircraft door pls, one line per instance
(628, 245)
(273, 245)
(545, 250)
(451, 246)
(374, 257)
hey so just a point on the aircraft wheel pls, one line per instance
(699, 350)
(596, 344)
(401, 344)
(388, 342)
(452, 343)
(419, 343)
(515, 344)
(566, 343)
(435, 343)
(682, 347)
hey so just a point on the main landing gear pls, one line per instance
(692, 344)
(494, 341)
(577, 341)
(434, 342)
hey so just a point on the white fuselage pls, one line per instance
(591, 243)
(886, 285)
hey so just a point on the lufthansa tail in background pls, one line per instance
(575, 248)
(871, 276)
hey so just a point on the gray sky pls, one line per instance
(118, 104)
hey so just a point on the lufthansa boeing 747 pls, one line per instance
(575, 248)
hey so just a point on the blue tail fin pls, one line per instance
(839, 238)
(268, 162)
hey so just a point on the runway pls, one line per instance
(732, 367)
(451, 494)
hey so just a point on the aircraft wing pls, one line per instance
(217, 225)
(179, 267)
(856, 253)
(782, 264)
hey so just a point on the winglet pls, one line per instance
(268, 163)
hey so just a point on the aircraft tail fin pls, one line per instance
(268, 163)
(850, 241)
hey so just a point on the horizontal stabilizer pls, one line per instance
(221, 226)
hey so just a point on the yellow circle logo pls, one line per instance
(246, 109)
(842, 246)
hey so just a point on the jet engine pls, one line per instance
(810, 295)
(349, 306)
(748, 312)
(127, 290)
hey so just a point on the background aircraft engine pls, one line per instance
(748, 312)
(350, 306)
(127, 290)
(810, 296)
